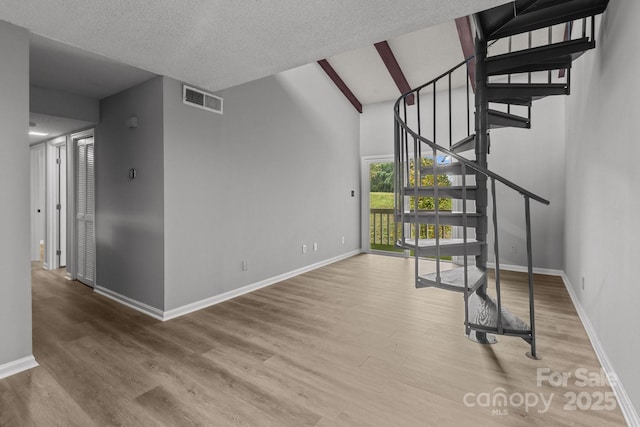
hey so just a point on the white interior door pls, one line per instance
(55, 256)
(38, 201)
(85, 211)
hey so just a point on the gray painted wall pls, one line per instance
(62, 104)
(273, 173)
(376, 130)
(130, 213)
(15, 288)
(601, 231)
(532, 158)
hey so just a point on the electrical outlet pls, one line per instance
(245, 265)
(343, 240)
(315, 246)
(304, 249)
(514, 249)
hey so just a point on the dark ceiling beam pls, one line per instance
(340, 84)
(465, 34)
(397, 75)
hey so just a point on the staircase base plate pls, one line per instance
(532, 357)
(481, 337)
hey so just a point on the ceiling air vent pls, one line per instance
(197, 98)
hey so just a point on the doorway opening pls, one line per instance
(380, 232)
(38, 204)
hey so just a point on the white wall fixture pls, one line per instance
(132, 122)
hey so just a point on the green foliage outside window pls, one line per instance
(382, 180)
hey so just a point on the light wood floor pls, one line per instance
(353, 343)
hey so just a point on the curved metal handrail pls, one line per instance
(461, 159)
(475, 167)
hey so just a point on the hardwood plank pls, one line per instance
(167, 410)
(288, 388)
(35, 398)
(353, 343)
(217, 407)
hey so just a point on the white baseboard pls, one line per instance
(17, 366)
(624, 402)
(130, 302)
(208, 302)
(523, 269)
(626, 406)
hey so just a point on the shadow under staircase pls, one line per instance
(437, 131)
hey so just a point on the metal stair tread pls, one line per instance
(500, 21)
(449, 187)
(427, 243)
(525, 102)
(446, 247)
(548, 57)
(499, 119)
(525, 85)
(465, 144)
(448, 169)
(443, 213)
(449, 192)
(500, 91)
(540, 66)
(483, 315)
(453, 279)
(444, 218)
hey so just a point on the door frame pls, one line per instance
(72, 249)
(365, 200)
(54, 190)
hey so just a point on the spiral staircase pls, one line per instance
(512, 68)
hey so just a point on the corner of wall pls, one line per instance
(15, 291)
(130, 212)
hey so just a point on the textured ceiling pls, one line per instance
(59, 66)
(216, 44)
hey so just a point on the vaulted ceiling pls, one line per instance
(421, 55)
(215, 44)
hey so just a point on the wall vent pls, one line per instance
(197, 98)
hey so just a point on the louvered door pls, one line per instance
(85, 211)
